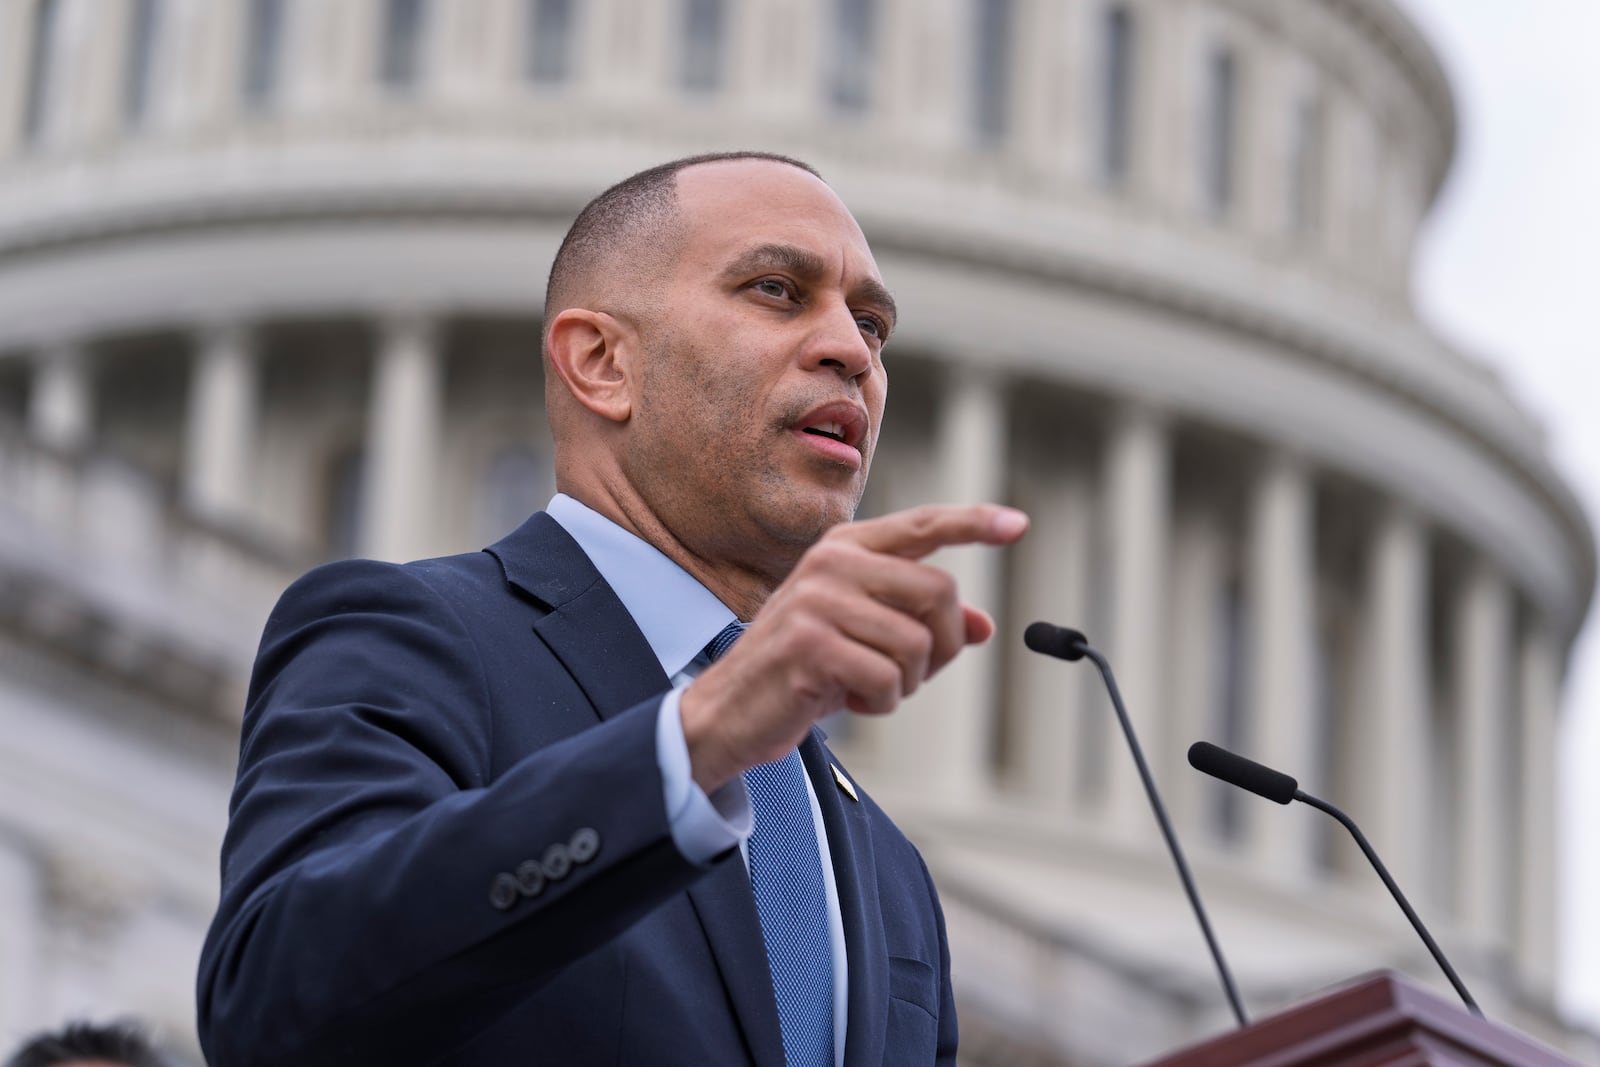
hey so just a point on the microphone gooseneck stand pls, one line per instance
(1280, 788)
(1071, 645)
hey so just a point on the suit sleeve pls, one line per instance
(385, 894)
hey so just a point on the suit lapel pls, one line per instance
(595, 638)
(597, 641)
(587, 628)
(855, 874)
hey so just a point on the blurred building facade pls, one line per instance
(270, 285)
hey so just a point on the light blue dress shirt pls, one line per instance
(678, 617)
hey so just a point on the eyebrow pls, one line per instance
(804, 263)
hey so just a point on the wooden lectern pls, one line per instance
(1378, 1021)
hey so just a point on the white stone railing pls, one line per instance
(98, 538)
(1048, 990)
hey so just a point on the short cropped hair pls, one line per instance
(636, 215)
(122, 1042)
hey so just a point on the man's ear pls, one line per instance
(591, 352)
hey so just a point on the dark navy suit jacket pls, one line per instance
(448, 844)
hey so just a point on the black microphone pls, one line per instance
(1059, 641)
(1280, 788)
(1071, 645)
(1244, 773)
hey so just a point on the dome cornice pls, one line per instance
(1407, 365)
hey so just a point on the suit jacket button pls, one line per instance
(556, 862)
(584, 844)
(530, 878)
(503, 891)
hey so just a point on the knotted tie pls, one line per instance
(786, 874)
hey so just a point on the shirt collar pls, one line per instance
(677, 615)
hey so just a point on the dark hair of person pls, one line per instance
(122, 1042)
(635, 215)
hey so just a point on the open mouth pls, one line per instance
(840, 421)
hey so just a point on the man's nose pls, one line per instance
(839, 345)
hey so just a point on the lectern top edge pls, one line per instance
(1378, 1018)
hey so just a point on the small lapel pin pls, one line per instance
(844, 783)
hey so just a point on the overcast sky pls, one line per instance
(1507, 269)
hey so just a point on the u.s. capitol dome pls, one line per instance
(271, 274)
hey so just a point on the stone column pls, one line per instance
(927, 69)
(61, 405)
(948, 741)
(503, 40)
(1199, 570)
(14, 37)
(354, 70)
(1165, 92)
(770, 55)
(449, 52)
(1137, 490)
(187, 76)
(94, 50)
(1483, 819)
(460, 37)
(213, 46)
(221, 426)
(1540, 655)
(1263, 137)
(1039, 81)
(403, 434)
(1353, 152)
(1050, 569)
(21, 936)
(635, 49)
(1394, 733)
(1075, 52)
(596, 36)
(1280, 590)
(323, 38)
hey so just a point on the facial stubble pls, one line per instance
(715, 467)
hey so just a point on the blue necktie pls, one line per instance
(786, 875)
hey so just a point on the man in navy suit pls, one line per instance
(518, 806)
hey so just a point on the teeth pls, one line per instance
(834, 431)
(831, 430)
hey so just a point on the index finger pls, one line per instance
(918, 531)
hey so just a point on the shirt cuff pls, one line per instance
(703, 827)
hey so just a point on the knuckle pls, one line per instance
(924, 518)
(886, 686)
(810, 628)
(830, 552)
